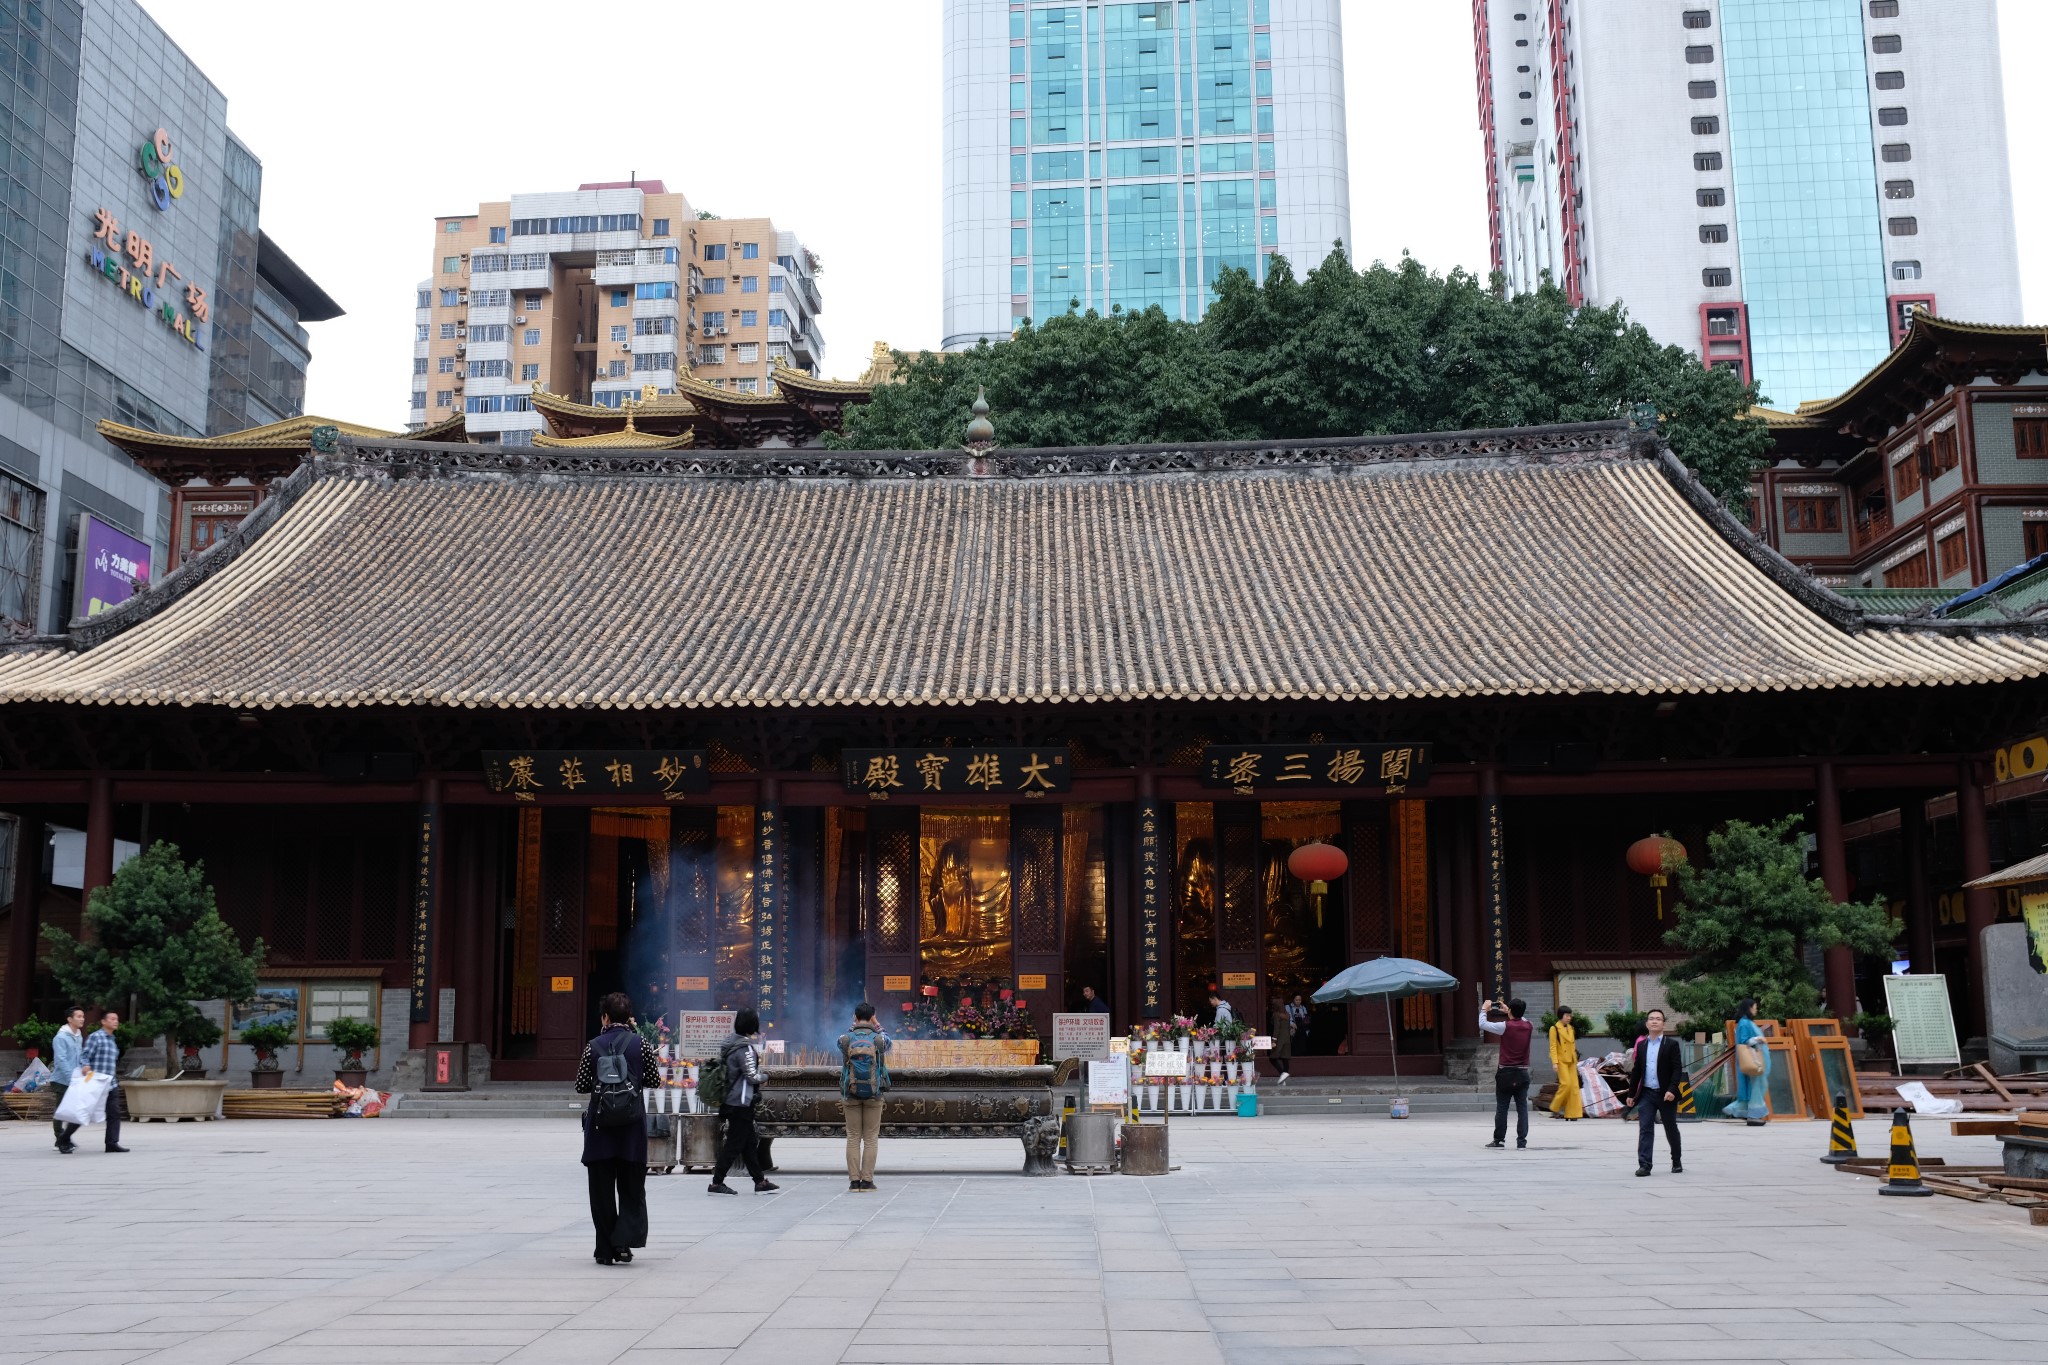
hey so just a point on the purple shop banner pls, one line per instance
(112, 566)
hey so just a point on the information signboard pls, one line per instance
(1080, 1035)
(1923, 1024)
(1109, 1082)
(1164, 1063)
(1592, 994)
(699, 1032)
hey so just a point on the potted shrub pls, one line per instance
(193, 1034)
(1876, 1031)
(156, 938)
(268, 1040)
(352, 1038)
(32, 1035)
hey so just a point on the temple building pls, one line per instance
(474, 734)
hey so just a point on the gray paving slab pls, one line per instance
(1306, 1239)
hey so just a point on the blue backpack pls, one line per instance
(864, 1075)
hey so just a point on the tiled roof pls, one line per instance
(1551, 561)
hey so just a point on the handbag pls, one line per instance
(1748, 1059)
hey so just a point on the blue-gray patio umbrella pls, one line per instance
(1391, 979)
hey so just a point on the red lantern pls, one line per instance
(1649, 857)
(1318, 865)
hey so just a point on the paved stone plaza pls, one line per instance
(1299, 1240)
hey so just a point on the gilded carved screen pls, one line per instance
(964, 893)
(1194, 904)
(733, 873)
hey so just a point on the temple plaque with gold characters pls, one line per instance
(906, 774)
(665, 774)
(1248, 768)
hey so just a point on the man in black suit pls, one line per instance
(1654, 1077)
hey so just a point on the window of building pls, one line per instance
(1954, 552)
(487, 331)
(530, 337)
(451, 265)
(529, 373)
(425, 298)
(1903, 227)
(497, 234)
(750, 317)
(1713, 232)
(419, 364)
(2030, 437)
(777, 318)
(452, 225)
(1905, 270)
(1700, 55)
(1702, 90)
(711, 355)
(1698, 18)
(451, 298)
(654, 360)
(775, 284)
(1711, 199)
(619, 298)
(714, 251)
(747, 352)
(655, 289)
(1706, 125)
(1906, 477)
(1891, 80)
(532, 303)
(1944, 453)
(661, 227)
(1911, 574)
(1706, 161)
(654, 327)
(419, 398)
(420, 332)
(1723, 322)
(1898, 189)
(1898, 151)
(1892, 116)
(1819, 515)
(444, 398)
(1886, 43)
(716, 284)
(444, 364)
(750, 251)
(1717, 277)
(1884, 9)
(447, 331)
(750, 284)
(618, 331)
(714, 319)
(2035, 538)
(488, 369)
(747, 385)
(615, 369)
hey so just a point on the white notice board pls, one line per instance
(1163, 1063)
(1109, 1082)
(1924, 1027)
(1080, 1035)
(699, 1032)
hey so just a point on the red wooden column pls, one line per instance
(1980, 907)
(21, 937)
(99, 836)
(1919, 904)
(1834, 872)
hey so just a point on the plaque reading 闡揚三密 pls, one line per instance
(906, 774)
(1248, 768)
(528, 774)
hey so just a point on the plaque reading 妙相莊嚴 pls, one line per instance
(527, 774)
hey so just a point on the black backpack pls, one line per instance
(615, 1101)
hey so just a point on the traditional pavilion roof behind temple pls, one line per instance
(1569, 560)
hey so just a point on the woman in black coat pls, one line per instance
(615, 1159)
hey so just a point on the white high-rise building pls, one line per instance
(1774, 184)
(1125, 154)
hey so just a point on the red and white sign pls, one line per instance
(699, 1032)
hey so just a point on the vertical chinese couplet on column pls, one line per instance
(1496, 911)
(1151, 884)
(768, 926)
(423, 913)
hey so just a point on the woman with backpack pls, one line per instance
(739, 1059)
(617, 1065)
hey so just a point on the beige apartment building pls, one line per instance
(599, 294)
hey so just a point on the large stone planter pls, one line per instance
(166, 1101)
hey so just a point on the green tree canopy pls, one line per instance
(156, 935)
(1743, 919)
(1343, 352)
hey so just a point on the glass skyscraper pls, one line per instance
(1124, 155)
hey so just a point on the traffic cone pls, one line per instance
(1841, 1137)
(1902, 1176)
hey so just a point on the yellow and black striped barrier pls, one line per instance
(1841, 1137)
(1688, 1108)
(1067, 1107)
(1902, 1175)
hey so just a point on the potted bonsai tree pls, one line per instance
(193, 1034)
(268, 1040)
(352, 1037)
(156, 938)
(32, 1035)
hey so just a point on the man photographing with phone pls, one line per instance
(1511, 1079)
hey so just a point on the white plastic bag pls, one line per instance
(1923, 1101)
(33, 1077)
(86, 1100)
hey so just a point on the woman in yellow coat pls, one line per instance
(1564, 1055)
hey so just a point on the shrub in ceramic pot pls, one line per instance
(352, 1038)
(268, 1040)
(193, 1034)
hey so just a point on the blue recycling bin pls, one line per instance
(1247, 1105)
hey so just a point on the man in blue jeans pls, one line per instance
(1654, 1076)
(1511, 1079)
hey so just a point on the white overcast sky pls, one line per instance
(373, 116)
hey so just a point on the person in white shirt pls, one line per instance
(1654, 1076)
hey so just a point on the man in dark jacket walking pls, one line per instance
(741, 1055)
(615, 1157)
(1653, 1074)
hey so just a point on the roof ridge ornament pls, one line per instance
(981, 434)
